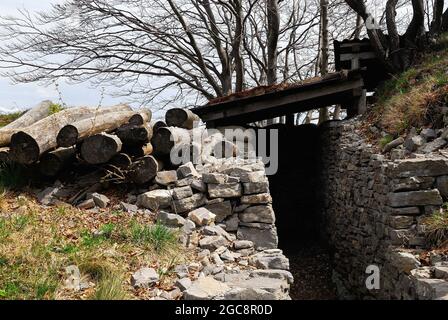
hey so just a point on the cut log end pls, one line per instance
(100, 148)
(143, 170)
(182, 118)
(162, 141)
(67, 136)
(24, 149)
(54, 162)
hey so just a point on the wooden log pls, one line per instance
(164, 139)
(71, 134)
(4, 155)
(42, 110)
(100, 148)
(138, 151)
(182, 118)
(27, 145)
(158, 124)
(121, 161)
(134, 135)
(144, 170)
(141, 117)
(53, 162)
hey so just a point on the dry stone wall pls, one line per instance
(371, 212)
(224, 212)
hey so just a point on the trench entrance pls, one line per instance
(294, 189)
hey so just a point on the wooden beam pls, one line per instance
(297, 101)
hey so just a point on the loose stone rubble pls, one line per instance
(226, 207)
(372, 210)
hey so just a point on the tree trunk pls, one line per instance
(164, 140)
(71, 134)
(436, 25)
(100, 148)
(27, 145)
(42, 110)
(273, 16)
(144, 170)
(323, 66)
(182, 118)
(53, 162)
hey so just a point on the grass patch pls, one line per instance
(37, 244)
(55, 108)
(6, 119)
(110, 287)
(436, 228)
(158, 236)
(386, 140)
(415, 97)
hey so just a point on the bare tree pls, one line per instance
(395, 51)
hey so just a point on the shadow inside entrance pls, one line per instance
(294, 189)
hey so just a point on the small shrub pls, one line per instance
(6, 119)
(158, 236)
(110, 287)
(436, 228)
(55, 108)
(107, 229)
(386, 140)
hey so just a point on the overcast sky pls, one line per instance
(22, 96)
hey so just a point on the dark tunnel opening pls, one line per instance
(296, 201)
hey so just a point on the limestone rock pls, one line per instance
(415, 198)
(165, 178)
(129, 208)
(221, 209)
(419, 167)
(262, 198)
(170, 219)
(189, 204)
(243, 244)
(432, 146)
(205, 288)
(183, 284)
(403, 261)
(47, 196)
(87, 204)
(100, 200)
(201, 217)
(413, 143)
(270, 260)
(442, 186)
(226, 190)
(144, 278)
(232, 223)
(215, 178)
(262, 238)
(255, 187)
(182, 192)
(263, 214)
(401, 222)
(393, 144)
(428, 134)
(154, 200)
(212, 242)
(187, 170)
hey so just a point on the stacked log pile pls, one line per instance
(123, 142)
